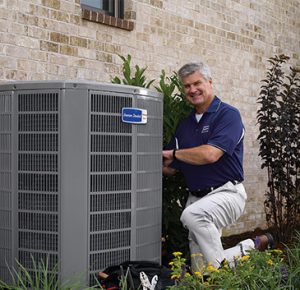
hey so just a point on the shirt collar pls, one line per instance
(214, 106)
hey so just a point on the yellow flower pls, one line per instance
(270, 262)
(177, 254)
(245, 258)
(211, 268)
(171, 263)
(175, 276)
(198, 274)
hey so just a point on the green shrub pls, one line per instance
(279, 124)
(174, 189)
(138, 79)
(174, 193)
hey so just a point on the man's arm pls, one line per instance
(200, 155)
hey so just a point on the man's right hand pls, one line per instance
(167, 160)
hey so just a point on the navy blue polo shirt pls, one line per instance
(220, 126)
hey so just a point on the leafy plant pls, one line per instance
(272, 269)
(138, 79)
(175, 106)
(257, 270)
(39, 277)
(279, 122)
(293, 257)
(174, 193)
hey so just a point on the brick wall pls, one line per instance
(56, 39)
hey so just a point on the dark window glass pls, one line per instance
(110, 7)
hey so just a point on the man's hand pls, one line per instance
(168, 155)
(167, 160)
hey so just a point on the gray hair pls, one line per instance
(192, 67)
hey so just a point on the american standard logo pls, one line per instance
(205, 129)
(134, 115)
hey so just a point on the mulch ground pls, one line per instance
(233, 240)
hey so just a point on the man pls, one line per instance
(208, 149)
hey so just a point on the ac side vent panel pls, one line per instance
(38, 177)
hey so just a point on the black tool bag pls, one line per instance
(130, 271)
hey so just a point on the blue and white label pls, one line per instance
(134, 115)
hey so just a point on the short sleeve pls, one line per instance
(228, 131)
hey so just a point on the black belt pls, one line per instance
(205, 191)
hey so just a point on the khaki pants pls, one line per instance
(205, 217)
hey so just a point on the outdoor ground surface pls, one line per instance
(233, 240)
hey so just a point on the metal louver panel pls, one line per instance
(149, 181)
(110, 181)
(38, 177)
(6, 207)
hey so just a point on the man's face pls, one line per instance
(198, 91)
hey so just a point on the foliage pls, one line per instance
(174, 193)
(293, 255)
(175, 106)
(271, 269)
(40, 277)
(138, 79)
(279, 123)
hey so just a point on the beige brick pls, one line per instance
(104, 57)
(200, 26)
(86, 53)
(130, 15)
(69, 50)
(39, 10)
(55, 4)
(59, 59)
(38, 55)
(78, 41)
(230, 35)
(112, 48)
(210, 29)
(28, 19)
(15, 75)
(75, 19)
(49, 46)
(59, 37)
(156, 3)
(37, 32)
(8, 62)
(60, 16)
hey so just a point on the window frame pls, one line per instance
(115, 8)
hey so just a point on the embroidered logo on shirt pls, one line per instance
(205, 129)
